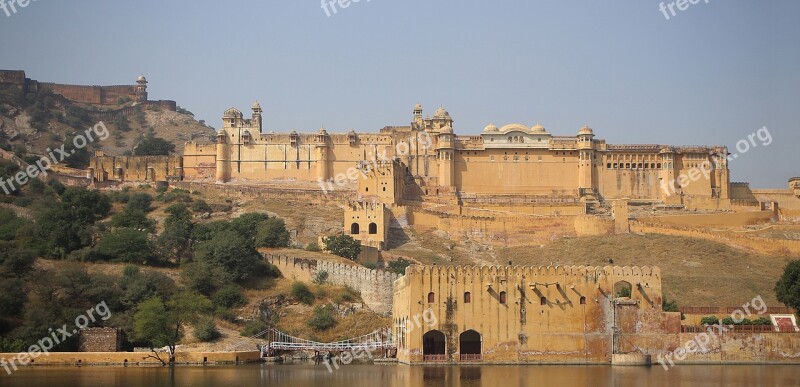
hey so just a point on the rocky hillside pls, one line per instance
(29, 124)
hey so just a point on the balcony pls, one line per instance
(435, 358)
(471, 357)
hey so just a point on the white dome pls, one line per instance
(441, 113)
(538, 128)
(490, 128)
(514, 128)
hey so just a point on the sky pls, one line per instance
(712, 74)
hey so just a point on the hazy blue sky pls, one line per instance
(712, 74)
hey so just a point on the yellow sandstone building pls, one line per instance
(560, 314)
(505, 182)
(509, 161)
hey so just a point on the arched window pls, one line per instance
(354, 229)
(583, 300)
(543, 301)
(431, 298)
(503, 297)
(623, 289)
(373, 228)
(467, 297)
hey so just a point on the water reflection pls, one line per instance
(309, 375)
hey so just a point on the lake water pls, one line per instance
(416, 376)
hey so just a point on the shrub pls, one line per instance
(399, 266)
(140, 201)
(232, 252)
(229, 296)
(709, 320)
(323, 318)
(302, 293)
(670, 306)
(125, 245)
(762, 321)
(206, 329)
(153, 146)
(343, 245)
(253, 328)
(200, 206)
(728, 321)
(321, 277)
(787, 289)
(313, 246)
(176, 195)
(272, 233)
(349, 295)
(132, 218)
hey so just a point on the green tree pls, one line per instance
(138, 285)
(787, 289)
(133, 218)
(398, 266)
(249, 224)
(125, 245)
(174, 241)
(151, 145)
(272, 233)
(230, 251)
(162, 324)
(122, 122)
(203, 277)
(140, 201)
(68, 225)
(229, 296)
(15, 262)
(343, 246)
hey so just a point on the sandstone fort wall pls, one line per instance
(375, 286)
(772, 246)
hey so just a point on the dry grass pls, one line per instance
(294, 317)
(696, 272)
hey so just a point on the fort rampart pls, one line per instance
(375, 286)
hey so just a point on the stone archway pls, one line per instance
(434, 346)
(469, 345)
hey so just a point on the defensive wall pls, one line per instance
(557, 315)
(375, 286)
(772, 246)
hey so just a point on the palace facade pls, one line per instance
(512, 161)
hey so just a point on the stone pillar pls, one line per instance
(222, 158)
